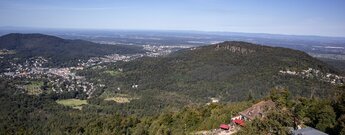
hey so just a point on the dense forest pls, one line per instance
(60, 52)
(172, 94)
(24, 114)
(230, 71)
(339, 64)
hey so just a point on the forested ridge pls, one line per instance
(229, 71)
(60, 52)
(24, 114)
(173, 94)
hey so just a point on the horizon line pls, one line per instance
(165, 30)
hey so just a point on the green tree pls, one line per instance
(280, 97)
(339, 107)
(321, 115)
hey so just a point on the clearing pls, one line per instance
(120, 98)
(34, 88)
(74, 103)
(112, 72)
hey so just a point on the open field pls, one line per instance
(120, 98)
(74, 103)
(34, 88)
(112, 73)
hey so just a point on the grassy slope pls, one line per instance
(34, 88)
(71, 102)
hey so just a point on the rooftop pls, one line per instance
(308, 131)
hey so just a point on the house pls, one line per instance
(224, 126)
(307, 131)
(257, 110)
(236, 117)
(239, 122)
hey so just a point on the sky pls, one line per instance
(294, 17)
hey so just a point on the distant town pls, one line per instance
(65, 79)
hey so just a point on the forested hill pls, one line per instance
(60, 50)
(230, 71)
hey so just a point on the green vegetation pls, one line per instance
(60, 52)
(25, 114)
(339, 64)
(74, 103)
(313, 112)
(211, 72)
(121, 98)
(34, 88)
(112, 73)
(194, 76)
(171, 94)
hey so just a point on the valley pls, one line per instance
(149, 84)
(172, 67)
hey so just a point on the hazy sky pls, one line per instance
(301, 17)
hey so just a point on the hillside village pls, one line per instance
(172, 67)
(314, 73)
(38, 78)
(61, 79)
(64, 79)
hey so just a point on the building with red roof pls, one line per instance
(224, 126)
